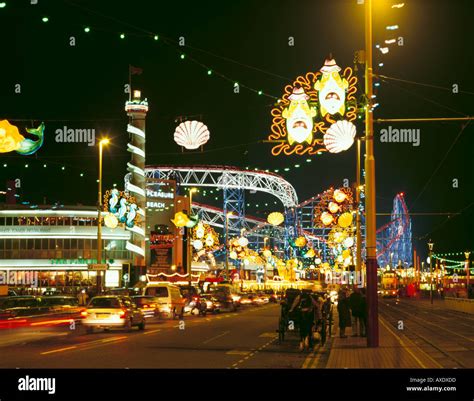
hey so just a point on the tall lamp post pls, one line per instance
(102, 142)
(189, 250)
(370, 216)
(227, 217)
(468, 273)
(430, 247)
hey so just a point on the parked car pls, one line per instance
(170, 301)
(112, 311)
(23, 305)
(148, 304)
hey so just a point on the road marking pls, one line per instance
(237, 352)
(152, 331)
(403, 343)
(272, 335)
(58, 350)
(213, 338)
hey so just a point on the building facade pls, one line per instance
(52, 247)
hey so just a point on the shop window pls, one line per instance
(16, 243)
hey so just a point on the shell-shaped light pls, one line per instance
(191, 134)
(198, 245)
(275, 218)
(243, 242)
(339, 136)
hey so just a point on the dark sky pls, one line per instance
(81, 86)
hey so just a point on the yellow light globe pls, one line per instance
(111, 221)
(333, 207)
(275, 218)
(339, 196)
(345, 220)
(327, 218)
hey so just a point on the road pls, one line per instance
(446, 336)
(245, 339)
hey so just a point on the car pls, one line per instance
(212, 303)
(22, 305)
(148, 304)
(224, 298)
(170, 301)
(112, 311)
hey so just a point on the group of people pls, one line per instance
(352, 310)
(311, 308)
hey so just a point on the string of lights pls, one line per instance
(180, 50)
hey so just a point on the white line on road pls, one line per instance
(213, 338)
(152, 331)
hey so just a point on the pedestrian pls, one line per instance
(355, 302)
(344, 311)
(363, 316)
(303, 304)
(83, 297)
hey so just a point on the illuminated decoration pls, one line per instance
(111, 220)
(191, 134)
(192, 221)
(243, 242)
(198, 245)
(317, 261)
(333, 207)
(204, 238)
(300, 242)
(276, 218)
(11, 139)
(233, 255)
(299, 117)
(267, 253)
(180, 219)
(348, 242)
(346, 253)
(122, 209)
(339, 136)
(331, 89)
(345, 220)
(310, 254)
(339, 195)
(309, 107)
(327, 218)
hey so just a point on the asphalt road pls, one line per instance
(446, 336)
(245, 339)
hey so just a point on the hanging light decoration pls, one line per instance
(333, 207)
(345, 220)
(327, 218)
(275, 218)
(339, 196)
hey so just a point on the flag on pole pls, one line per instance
(135, 70)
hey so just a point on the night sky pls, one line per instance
(82, 86)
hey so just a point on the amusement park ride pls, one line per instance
(393, 238)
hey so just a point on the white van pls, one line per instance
(169, 299)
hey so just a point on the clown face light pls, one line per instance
(299, 117)
(331, 89)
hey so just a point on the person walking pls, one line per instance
(344, 311)
(355, 302)
(363, 316)
(303, 303)
(83, 297)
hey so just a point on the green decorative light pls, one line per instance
(297, 165)
(44, 165)
(260, 92)
(82, 174)
(182, 56)
(63, 168)
(308, 160)
(122, 36)
(3, 5)
(87, 29)
(45, 19)
(287, 169)
(5, 165)
(209, 72)
(156, 37)
(26, 165)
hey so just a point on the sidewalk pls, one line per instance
(394, 351)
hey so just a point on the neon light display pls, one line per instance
(315, 103)
(191, 134)
(12, 141)
(122, 209)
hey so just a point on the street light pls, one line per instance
(430, 247)
(189, 249)
(468, 273)
(102, 142)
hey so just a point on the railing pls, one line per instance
(460, 304)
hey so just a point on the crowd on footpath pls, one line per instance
(315, 309)
(352, 310)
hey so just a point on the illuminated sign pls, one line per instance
(156, 204)
(122, 209)
(11, 139)
(314, 114)
(191, 134)
(159, 194)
